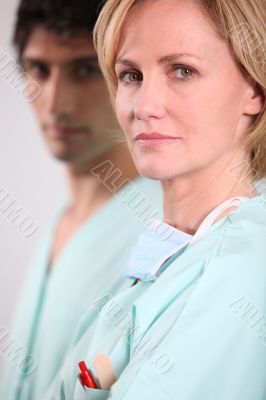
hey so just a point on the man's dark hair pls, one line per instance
(64, 17)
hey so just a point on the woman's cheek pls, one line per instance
(122, 112)
(119, 105)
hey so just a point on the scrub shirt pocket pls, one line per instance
(91, 394)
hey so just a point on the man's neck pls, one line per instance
(87, 192)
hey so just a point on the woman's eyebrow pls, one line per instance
(174, 57)
(125, 61)
(164, 60)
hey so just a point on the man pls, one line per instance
(81, 258)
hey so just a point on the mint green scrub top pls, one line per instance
(197, 333)
(89, 266)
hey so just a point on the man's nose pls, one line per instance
(57, 98)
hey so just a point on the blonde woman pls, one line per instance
(188, 82)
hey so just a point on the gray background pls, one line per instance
(28, 173)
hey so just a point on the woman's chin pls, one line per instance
(160, 174)
(153, 166)
(150, 172)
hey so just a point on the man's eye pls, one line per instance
(183, 72)
(38, 70)
(130, 76)
(85, 71)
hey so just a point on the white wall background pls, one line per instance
(28, 173)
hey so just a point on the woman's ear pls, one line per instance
(256, 99)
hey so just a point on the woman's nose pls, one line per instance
(149, 101)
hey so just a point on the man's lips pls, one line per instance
(155, 138)
(62, 131)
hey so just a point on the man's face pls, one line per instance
(73, 108)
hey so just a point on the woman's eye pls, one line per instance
(130, 76)
(183, 72)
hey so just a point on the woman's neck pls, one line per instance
(189, 199)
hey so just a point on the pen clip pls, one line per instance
(85, 377)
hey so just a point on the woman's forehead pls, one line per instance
(165, 21)
(167, 27)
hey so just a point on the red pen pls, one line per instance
(86, 377)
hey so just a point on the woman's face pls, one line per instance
(181, 100)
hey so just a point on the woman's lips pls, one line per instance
(154, 139)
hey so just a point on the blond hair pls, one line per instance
(241, 23)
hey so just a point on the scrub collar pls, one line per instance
(160, 241)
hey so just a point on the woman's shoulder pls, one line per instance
(240, 257)
(245, 231)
